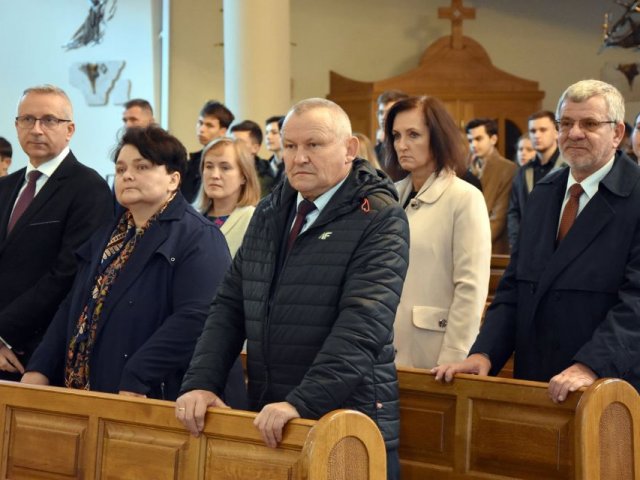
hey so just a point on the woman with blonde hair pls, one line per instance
(366, 150)
(230, 188)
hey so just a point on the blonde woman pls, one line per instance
(366, 150)
(230, 188)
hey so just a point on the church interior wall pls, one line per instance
(554, 43)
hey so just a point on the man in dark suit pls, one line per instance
(251, 133)
(275, 164)
(569, 303)
(495, 173)
(46, 211)
(213, 122)
(544, 137)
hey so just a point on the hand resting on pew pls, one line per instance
(272, 419)
(192, 407)
(569, 380)
(477, 364)
(34, 378)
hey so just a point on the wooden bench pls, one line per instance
(54, 433)
(480, 428)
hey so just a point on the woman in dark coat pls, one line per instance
(143, 288)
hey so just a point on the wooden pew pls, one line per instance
(54, 433)
(480, 428)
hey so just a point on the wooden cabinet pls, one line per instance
(463, 78)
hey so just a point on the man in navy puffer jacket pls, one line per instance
(316, 308)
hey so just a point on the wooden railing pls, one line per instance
(479, 428)
(54, 433)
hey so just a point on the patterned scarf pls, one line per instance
(119, 248)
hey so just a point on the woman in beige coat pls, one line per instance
(230, 188)
(450, 249)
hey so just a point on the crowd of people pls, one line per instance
(330, 263)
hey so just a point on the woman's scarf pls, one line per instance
(119, 248)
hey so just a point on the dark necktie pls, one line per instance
(24, 199)
(304, 209)
(570, 211)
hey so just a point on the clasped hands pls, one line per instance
(9, 361)
(191, 409)
(569, 380)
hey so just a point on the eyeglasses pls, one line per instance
(584, 124)
(48, 122)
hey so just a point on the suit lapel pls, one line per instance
(53, 184)
(595, 216)
(588, 225)
(8, 198)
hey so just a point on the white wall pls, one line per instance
(32, 35)
(553, 42)
(550, 41)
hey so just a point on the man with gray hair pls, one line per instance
(47, 210)
(314, 290)
(569, 302)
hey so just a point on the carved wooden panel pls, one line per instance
(229, 460)
(42, 445)
(132, 452)
(429, 436)
(523, 441)
(349, 457)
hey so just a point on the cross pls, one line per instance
(456, 13)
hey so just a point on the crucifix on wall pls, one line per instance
(456, 13)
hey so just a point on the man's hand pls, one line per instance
(8, 361)
(272, 419)
(192, 407)
(34, 378)
(477, 364)
(131, 394)
(569, 380)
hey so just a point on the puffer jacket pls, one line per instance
(319, 324)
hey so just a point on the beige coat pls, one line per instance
(235, 227)
(448, 279)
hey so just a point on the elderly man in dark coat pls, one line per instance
(313, 292)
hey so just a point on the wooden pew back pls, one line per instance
(54, 433)
(479, 427)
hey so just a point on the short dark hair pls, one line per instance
(5, 148)
(216, 109)
(156, 145)
(543, 114)
(255, 132)
(391, 96)
(138, 102)
(445, 141)
(275, 118)
(490, 125)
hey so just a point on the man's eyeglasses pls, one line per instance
(48, 122)
(584, 124)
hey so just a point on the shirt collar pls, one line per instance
(323, 199)
(50, 166)
(591, 183)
